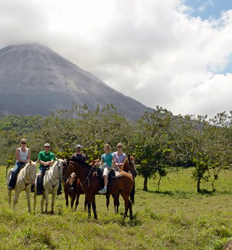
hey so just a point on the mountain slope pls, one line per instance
(35, 80)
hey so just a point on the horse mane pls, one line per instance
(79, 161)
(22, 171)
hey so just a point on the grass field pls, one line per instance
(175, 218)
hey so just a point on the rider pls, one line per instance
(119, 156)
(107, 159)
(46, 159)
(22, 156)
(77, 156)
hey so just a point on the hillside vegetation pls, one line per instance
(160, 142)
(175, 218)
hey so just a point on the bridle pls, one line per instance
(88, 172)
(132, 170)
(59, 173)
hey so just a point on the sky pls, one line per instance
(175, 54)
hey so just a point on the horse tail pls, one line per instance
(132, 194)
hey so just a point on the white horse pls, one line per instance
(50, 184)
(25, 179)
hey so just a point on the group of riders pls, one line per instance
(46, 159)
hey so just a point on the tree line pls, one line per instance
(159, 141)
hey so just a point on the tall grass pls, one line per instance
(174, 218)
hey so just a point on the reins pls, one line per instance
(82, 174)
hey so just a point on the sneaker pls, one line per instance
(59, 192)
(102, 191)
(39, 193)
(10, 188)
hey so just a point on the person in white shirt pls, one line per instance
(22, 156)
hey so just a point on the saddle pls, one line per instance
(114, 174)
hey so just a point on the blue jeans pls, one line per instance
(42, 169)
(14, 174)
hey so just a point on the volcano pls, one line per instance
(34, 80)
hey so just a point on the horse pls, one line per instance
(129, 167)
(50, 185)
(25, 179)
(75, 192)
(91, 185)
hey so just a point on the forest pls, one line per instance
(159, 141)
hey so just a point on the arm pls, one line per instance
(45, 163)
(17, 154)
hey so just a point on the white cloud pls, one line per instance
(150, 50)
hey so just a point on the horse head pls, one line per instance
(129, 165)
(31, 169)
(59, 163)
(67, 169)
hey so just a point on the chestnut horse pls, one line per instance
(91, 184)
(73, 191)
(129, 167)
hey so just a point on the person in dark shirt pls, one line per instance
(79, 155)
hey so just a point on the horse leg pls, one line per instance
(94, 208)
(128, 205)
(77, 196)
(42, 203)
(86, 203)
(116, 202)
(35, 198)
(107, 201)
(89, 209)
(66, 197)
(28, 192)
(73, 197)
(16, 197)
(46, 201)
(53, 202)
(9, 196)
(130, 208)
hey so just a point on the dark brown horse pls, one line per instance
(129, 167)
(91, 184)
(73, 191)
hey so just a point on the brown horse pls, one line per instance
(129, 167)
(73, 191)
(91, 184)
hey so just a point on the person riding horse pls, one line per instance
(22, 156)
(77, 156)
(45, 159)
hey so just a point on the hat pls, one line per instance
(46, 145)
(78, 146)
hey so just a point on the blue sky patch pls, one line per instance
(208, 9)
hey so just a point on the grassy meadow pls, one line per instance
(175, 218)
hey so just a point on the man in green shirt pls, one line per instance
(45, 159)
